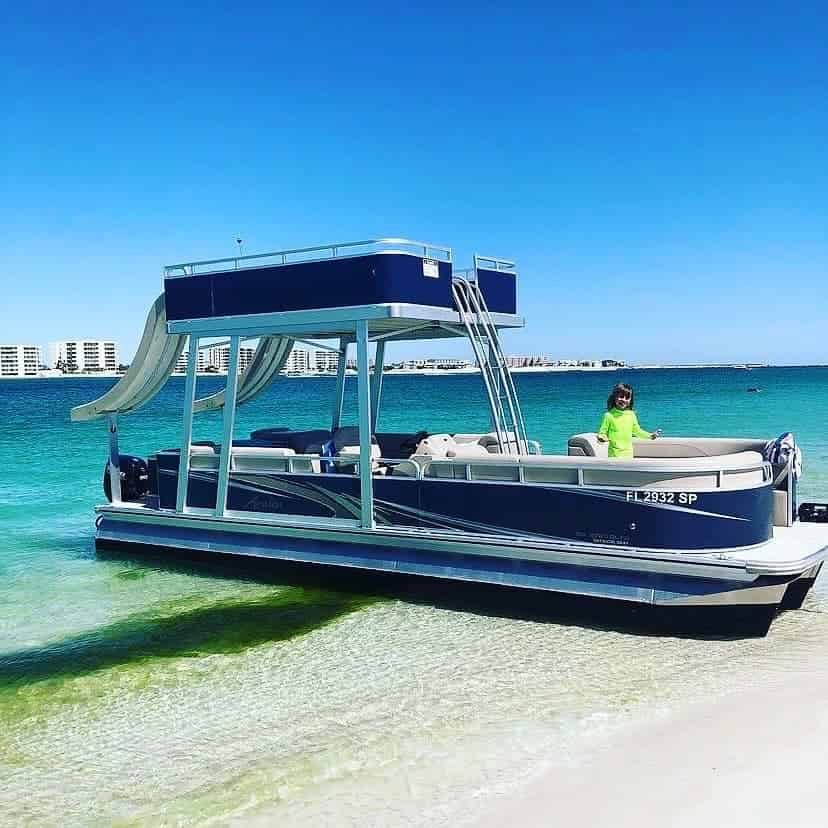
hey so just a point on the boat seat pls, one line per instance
(488, 440)
(588, 445)
(406, 468)
(490, 443)
(302, 442)
(204, 457)
(255, 458)
(352, 453)
(738, 471)
(252, 459)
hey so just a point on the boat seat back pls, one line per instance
(695, 446)
(743, 470)
(586, 445)
(490, 443)
(405, 468)
(302, 442)
(253, 458)
(352, 453)
(203, 458)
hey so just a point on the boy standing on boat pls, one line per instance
(620, 425)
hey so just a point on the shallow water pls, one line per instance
(137, 692)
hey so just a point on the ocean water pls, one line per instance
(144, 691)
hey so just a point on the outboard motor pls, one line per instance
(134, 478)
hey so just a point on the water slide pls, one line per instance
(155, 360)
(269, 358)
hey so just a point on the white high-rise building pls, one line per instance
(201, 362)
(218, 358)
(325, 361)
(19, 360)
(299, 361)
(83, 356)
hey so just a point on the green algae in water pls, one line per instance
(30, 679)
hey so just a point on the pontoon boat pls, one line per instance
(690, 524)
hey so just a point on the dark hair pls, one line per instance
(622, 386)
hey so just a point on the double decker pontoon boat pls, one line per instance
(696, 525)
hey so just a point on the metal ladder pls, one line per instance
(507, 419)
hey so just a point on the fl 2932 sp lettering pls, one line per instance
(673, 498)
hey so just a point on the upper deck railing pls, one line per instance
(300, 255)
(493, 263)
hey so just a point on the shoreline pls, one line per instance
(751, 758)
(435, 372)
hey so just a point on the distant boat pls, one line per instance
(754, 390)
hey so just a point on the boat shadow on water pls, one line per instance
(310, 597)
(365, 587)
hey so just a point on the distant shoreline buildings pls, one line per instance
(20, 360)
(90, 357)
(83, 356)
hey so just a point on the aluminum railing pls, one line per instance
(300, 255)
(464, 469)
(494, 263)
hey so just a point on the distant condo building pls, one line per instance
(436, 364)
(83, 356)
(307, 361)
(540, 361)
(326, 362)
(201, 362)
(218, 358)
(215, 359)
(19, 360)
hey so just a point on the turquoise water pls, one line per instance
(137, 692)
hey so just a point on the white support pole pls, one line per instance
(187, 428)
(114, 459)
(366, 484)
(339, 394)
(376, 384)
(229, 422)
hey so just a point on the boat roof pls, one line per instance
(401, 287)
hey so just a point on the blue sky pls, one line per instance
(659, 173)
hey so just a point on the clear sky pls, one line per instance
(659, 171)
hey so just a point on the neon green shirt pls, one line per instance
(619, 427)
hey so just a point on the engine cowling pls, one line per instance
(134, 478)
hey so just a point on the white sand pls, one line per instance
(758, 758)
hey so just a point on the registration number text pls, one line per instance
(680, 498)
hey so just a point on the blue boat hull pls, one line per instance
(635, 518)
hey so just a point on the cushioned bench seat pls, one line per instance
(737, 471)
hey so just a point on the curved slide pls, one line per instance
(154, 361)
(271, 355)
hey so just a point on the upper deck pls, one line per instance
(394, 282)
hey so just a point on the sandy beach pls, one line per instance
(755, 758)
